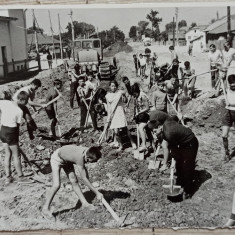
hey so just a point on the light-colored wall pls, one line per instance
(13, 36)
(195, 33)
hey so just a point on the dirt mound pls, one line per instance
(205, 111)
(116, 48)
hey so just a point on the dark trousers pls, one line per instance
(31, 125)
(73, 92)
(214, 76)
(92, 112)
(185, 157)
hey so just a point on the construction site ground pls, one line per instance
(127, 184)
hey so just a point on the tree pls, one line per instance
(133, 32)
(80, 29)
(169, 26)
(193, 25)
(142, 25)
(152, 17)
(31, 30)
(182, 23)
(108, 37)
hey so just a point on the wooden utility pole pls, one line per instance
(52, 37)
(229, 23)
(173, 31)
(176, 20)
(35, 31)
(61, 47)
(72, 26)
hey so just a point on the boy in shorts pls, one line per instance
(51, 109)
(11, 115)
(65, 157)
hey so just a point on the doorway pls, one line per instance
(4, 60)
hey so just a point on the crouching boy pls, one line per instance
(65, 157)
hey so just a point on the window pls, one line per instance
(22, 67)
(18, 68)
(78, 44)
(96, 44)
(87, 44)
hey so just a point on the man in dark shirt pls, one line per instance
(183, 145)
(49, 59)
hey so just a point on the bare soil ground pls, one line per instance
(127, 184)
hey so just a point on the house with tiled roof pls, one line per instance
(219, 30)
(13, 41)
(197, 36)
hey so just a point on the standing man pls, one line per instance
(11, 115)
(190, 49)
(49, 59)
(85, 92)
(214, 56)
(73, 74)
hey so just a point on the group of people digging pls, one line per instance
(155, 125)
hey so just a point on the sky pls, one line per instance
(123, 16)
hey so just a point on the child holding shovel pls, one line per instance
(31, 91)
(65, 158)
(85, 92)
(186, 73)
(11, 115)
(115, 100)
(141, 106)
(51, 109)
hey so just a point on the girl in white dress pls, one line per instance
(115, 101)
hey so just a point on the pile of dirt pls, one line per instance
(206, 111)
(116, 48)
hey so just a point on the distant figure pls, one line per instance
(190, 49)
(69, 52)
(49, 59)
(114, 62)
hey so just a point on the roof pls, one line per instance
(6, 18)
(42, 39)
(197, 38)
(220, 26)
(200, 27)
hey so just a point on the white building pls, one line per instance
(197, 36)
(13, 41)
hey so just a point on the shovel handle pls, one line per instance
(111, 211)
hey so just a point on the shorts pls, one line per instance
(57, 160)
(51, 113)
(9, 135)
(228, 118)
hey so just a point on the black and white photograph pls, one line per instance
(117, 116)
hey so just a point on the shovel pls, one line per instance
(181, 120)
(172, 190)
(137, 154)
(40, 178)
(154, 164)
(120, 220)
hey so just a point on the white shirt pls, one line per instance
(228, 55)
(11, 113)
(92, 84)
(27, 89)
(214, 57)
(142, 61)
